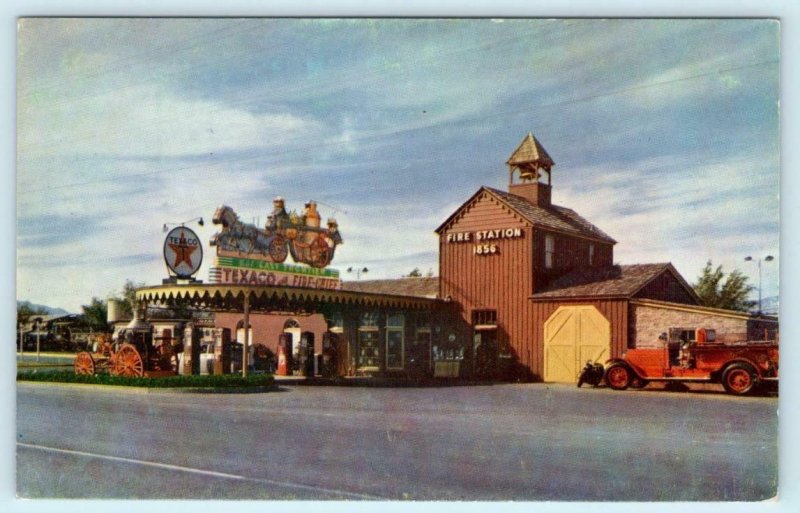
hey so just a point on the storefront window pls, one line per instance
(368, 340)
(394, 342)
(335, 322)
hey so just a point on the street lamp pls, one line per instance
(768, 258)
(358, 272)
(37, 324)
(198, 219)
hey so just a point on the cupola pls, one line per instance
(531, 163)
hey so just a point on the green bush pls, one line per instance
(219, 381)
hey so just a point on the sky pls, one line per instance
(665, 134)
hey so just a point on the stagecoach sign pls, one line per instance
(183, 252)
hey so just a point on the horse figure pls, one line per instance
(246, 238)
(307, 241)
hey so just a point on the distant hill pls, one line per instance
(50, 310)
(770, 305)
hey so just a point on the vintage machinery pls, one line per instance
(133, 354)
(740, 367)
(299, 234)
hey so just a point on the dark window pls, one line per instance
(483, 317)
(549, 251)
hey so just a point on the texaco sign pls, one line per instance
(183, 252)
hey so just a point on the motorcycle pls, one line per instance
(591, 374)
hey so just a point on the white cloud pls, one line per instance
(148, 120)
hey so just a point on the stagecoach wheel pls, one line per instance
(277, 249)
(128, 362)
(738, 379)
(618, 376)
(84, 364)
(320, 253)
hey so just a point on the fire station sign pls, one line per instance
(483, 242)
(183, 252)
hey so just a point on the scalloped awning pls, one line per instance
(224, 297)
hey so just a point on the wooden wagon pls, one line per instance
(133, 354)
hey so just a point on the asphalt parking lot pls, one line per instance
(529, 442)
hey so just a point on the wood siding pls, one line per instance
(505, 281)
(570, 253)
(666, 288)
(501, 282)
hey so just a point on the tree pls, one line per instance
(95, 315)
(718, 291)
(128, 300)
(416, 273)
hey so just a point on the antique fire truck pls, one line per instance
(133, 354)
(740, 367)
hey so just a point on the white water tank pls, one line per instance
(114, 311)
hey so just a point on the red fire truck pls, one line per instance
(740, 367)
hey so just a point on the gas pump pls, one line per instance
(307, 354)
(222, 350)
(328, 369)
(192, 337)
(284, 354)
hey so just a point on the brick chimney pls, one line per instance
(537, 193)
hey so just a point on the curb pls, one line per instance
(154, 390)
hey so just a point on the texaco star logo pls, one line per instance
(183, 252)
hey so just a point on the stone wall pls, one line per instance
(647, 322)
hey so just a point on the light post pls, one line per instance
(358, 271)
(768, 258)
(37, 324)
(198, 219)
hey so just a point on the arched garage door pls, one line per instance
(573, 335)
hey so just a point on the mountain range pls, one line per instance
(49, 309)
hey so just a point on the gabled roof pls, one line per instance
(427, 287)
(530, 152)
(552, 217)
(617, 281)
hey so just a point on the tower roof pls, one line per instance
(530, 152)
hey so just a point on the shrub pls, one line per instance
(216, 381)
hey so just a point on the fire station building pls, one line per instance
(538, 287)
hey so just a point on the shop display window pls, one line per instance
(394, 342)
(368, 340)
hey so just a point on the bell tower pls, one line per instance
(531, 163)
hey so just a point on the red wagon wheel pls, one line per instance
(128, 362)
(320, 253)
(84, 364)
(277, 249)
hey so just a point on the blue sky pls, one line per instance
(665, 134)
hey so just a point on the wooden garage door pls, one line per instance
(573, 335)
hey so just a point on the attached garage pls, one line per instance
(573, 335)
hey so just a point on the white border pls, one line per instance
(786, 10)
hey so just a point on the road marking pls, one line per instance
(190, 470)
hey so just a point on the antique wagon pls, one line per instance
(133, 354)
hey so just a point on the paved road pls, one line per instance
(520, 442)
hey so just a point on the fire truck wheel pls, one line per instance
(618, 376)
(738, 379)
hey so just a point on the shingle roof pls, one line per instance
(530, 151)
(554, 217)
(619, 280)
(415, 287)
